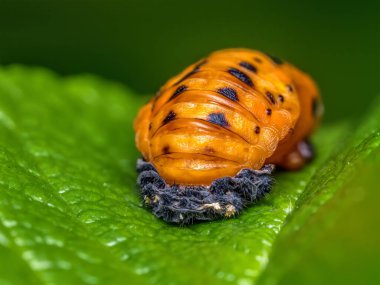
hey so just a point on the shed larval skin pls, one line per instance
(235, 109)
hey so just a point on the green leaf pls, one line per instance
(70, 212)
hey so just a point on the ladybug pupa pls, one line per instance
(213, 134)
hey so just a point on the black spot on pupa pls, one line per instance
(154, 103)
(178, 91)
(198, 66)
(170, 117)
(289, 87)
(166, 149)
(229, 93)
(281, 98)
(257, 130)
(241, 76)
(268, 111)
(258, 60)
(275, 59)
(196, 69)
(150, 126)
(270, 97)
(218, 119)
(248, 66)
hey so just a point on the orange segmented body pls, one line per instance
(235, 109)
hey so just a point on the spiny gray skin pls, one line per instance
(224, 198)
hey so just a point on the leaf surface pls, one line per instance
(70, 212)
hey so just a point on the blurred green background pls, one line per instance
(143, 43)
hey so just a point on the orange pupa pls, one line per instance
(212, 134)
